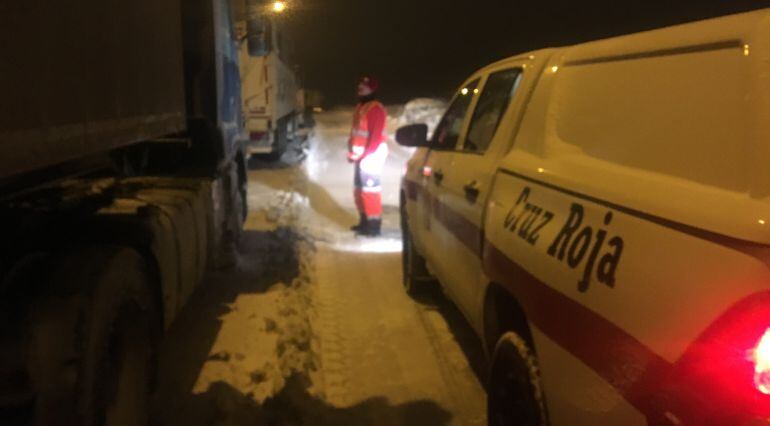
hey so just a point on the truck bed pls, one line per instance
(86, 76)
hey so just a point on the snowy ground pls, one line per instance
(313, 327)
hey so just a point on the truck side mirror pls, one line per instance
(415, 135)
(258, 30)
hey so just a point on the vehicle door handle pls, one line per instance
(472, 191)
(438, 176)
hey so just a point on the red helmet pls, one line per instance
(370, 82)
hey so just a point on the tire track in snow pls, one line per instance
(455, 372)
(333, 348)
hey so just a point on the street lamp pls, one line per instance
(278, 7)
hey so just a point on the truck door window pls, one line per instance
(497, 95)
(448, 131)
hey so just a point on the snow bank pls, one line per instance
(423, 110)
(420, 110)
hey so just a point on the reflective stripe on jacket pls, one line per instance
(361, 140)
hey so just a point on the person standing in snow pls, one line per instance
(368, 150)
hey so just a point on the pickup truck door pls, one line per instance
(467, 178)
(445, 140)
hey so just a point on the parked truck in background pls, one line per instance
(272, 99)
(122, 179)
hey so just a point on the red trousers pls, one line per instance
(367, 183)
(368, 203)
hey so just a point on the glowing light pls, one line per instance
(531, 57)
(278, 7)
(464, 91)
(475, 91)
(378, 245)
(746, 50)
(761, 221)
(762, 364)
(427, 171)
(540, 170)
(554, 68)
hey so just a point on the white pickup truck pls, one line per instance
(601, 213)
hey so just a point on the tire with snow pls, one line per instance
(515, 395)
(415, 272)
(93, 341)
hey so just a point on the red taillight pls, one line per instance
(724, 376)
(761, 358)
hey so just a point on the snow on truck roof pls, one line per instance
(724, 32)
(739, 31)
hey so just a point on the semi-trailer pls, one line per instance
(122, 180)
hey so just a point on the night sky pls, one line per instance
(427, 47)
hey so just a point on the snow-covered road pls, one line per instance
(313, 327)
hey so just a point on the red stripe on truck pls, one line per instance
(462, 228)
(623, 361)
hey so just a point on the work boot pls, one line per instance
(373, 228)
(361, 224)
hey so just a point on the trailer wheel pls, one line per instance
(414, 271)
(93, 343)
(515, 394)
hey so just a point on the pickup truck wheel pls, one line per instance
(415, 273)
(93, 343)
(515, 392)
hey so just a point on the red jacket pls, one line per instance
(368, 129)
